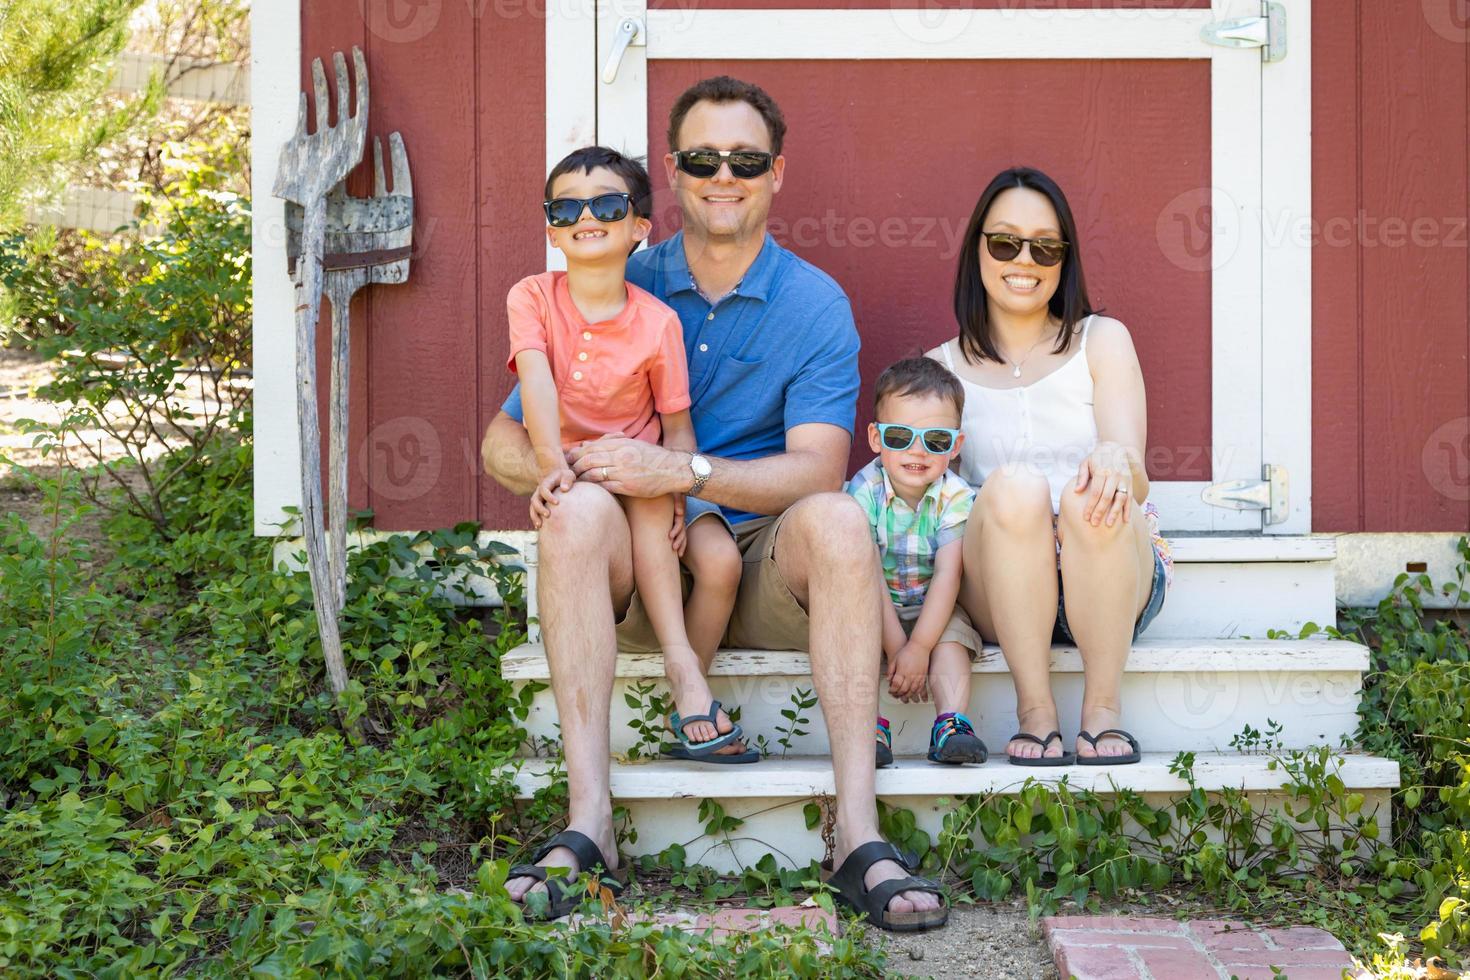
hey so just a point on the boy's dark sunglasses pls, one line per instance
(744, 164)
(900, 437)
(1044, 251)
(563, 212)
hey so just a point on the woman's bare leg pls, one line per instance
(1010, 591)
(1106, 576)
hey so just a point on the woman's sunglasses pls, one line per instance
(900, 437)
(744, 164)
(1044, 251)
(563, 212)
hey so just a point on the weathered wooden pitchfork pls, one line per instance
(348, 242)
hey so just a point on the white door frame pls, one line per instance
(1261, 406)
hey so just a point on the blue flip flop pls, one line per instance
(708, 751)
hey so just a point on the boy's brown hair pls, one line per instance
(920, 376)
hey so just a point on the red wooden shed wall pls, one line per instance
(1391, 297)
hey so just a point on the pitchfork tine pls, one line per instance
(340, 64)
(359, 65)
(402, 182)
(319, 84)
(379, 188)
(301, 116)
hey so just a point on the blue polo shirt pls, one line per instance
(780, 350)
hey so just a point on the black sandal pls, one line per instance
(848, 881)
(1109, 760)
(1065, 759)
(688, 751)
(564, 892)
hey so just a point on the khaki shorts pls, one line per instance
(766, 617)
(959, 629)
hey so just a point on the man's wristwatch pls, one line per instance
(702, 470)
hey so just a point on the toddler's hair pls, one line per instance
(632, 172)
(920, 376)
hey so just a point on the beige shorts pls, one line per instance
(959, 629)
(766, 617)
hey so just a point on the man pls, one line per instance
(774, 379)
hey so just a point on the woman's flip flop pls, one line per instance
(1065, 759)
(1108, 760)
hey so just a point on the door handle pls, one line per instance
(629, 32)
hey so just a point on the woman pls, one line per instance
(1062, 538)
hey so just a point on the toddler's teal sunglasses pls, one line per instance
(900, 437)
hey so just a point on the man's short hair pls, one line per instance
(920, 376)
(632, 172)
(723, 88)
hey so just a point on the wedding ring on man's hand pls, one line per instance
(604, 474)
(1123, 490)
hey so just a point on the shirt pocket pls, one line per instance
(739, 389)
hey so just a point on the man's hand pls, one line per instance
(908, 673)
(543, 498)
(631, 468)
(677, 537)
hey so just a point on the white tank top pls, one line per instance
(1047, 425)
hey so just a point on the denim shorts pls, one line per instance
(1062, 634)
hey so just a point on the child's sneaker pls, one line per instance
(953, 740)
(884, 744)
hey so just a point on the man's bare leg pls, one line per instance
(585, 571)
(825, 554)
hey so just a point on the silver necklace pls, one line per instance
(1017, 365)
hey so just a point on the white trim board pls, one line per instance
(528, 662)
(806, 776)
(275, 71)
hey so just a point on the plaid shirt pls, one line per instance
(907, 539)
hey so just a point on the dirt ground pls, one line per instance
(22, 373)
(994, 941)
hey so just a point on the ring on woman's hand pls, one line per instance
(1123, 490)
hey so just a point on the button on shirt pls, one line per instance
(778, 351)
(909, 538)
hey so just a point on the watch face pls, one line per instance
(700, 466)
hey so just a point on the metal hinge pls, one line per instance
(1267, 32)
(1269, 494)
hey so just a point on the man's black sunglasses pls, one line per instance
(744, 164)
(563, 212)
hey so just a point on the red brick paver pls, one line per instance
(1112, 947)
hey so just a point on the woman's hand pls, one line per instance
(1106, 476)
(543, 498)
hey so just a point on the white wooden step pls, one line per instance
(663, 796)
(1177, 696)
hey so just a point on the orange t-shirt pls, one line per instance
(613, 376)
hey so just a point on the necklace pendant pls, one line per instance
(1017, 372)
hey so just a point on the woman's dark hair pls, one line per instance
(723, 88)
(631, 171)
(1069, 303)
